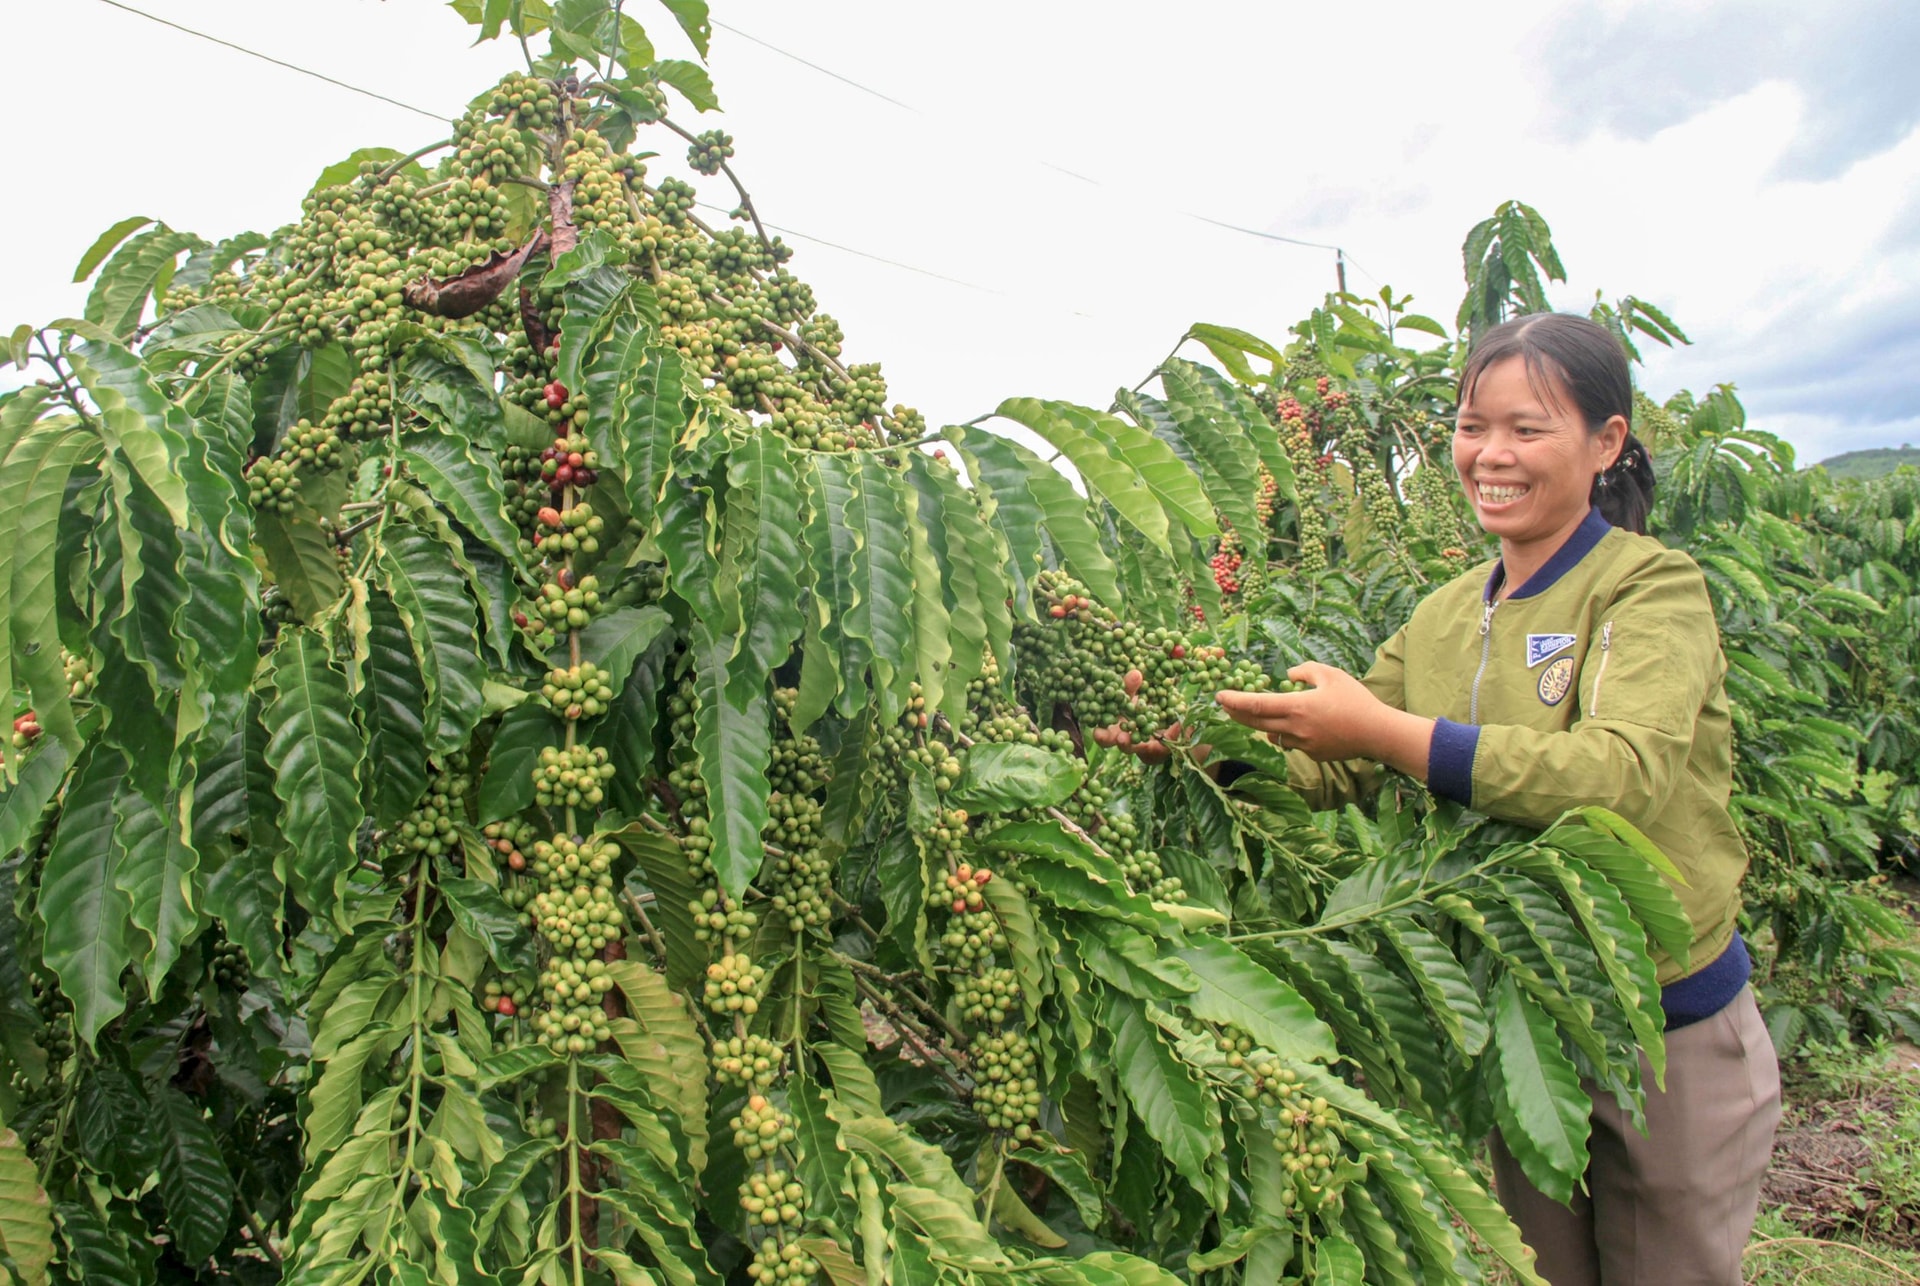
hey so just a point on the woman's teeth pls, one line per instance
(1501, 495)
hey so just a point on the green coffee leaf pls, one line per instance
(317, 751)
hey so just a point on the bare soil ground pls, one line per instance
(1818, 1177)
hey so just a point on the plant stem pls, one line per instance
(409, 159)
(1421, 894)
(260, 1238)
(646, 925)
(746, 201)
(201, 377)
(992, 1191)
(920, 1002)
(613, 51)
(346, 534)
(574, 1189)
(71, 393)
(904, 1025)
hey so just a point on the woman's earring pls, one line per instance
(1602, 475)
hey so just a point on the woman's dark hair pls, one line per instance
(1584, 359)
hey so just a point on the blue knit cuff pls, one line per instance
(1450, 760)
(1705, 993)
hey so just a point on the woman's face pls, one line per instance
(1525, 458)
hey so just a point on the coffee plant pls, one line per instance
(529, 766)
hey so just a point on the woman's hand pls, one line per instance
(1151, 751)
(1338, 717)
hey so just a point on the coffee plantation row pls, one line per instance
(531, 768)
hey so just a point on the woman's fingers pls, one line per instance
(1248, 706)
(1114, 736)
(1268, 712)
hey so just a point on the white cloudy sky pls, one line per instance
(1750, 165)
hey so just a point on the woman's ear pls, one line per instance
(1611, 440)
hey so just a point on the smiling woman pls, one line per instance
(1498, 694)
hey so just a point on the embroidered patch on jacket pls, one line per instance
(1542, 646)
(1555, 681)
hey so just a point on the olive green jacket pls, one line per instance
(1599, 681)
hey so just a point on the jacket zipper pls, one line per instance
(1606, 643)
(1486, 649)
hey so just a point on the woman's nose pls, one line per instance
(1497, 448)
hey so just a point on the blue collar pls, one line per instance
(1588, 534)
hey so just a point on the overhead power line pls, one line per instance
(834, 245)
(278, 62)
(1341, 257)
(824, 71)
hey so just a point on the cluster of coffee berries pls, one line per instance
(510, 840)
(689, 792)
(573, 778)
(274, 481)
(986, 993)
(26, 729)
(577, 691)
(992, 714)
(1006, 1090)
(761, 1129)
(1307, 1138)
(1310, 467)
(1117, 674)
(796, 765)
(717, 919)
(527, 493)
(709, 151)
(733, 985)
(273, 484)
(227, 965)
(567, 604)
(569, 462)
(527, 101)
(989, 996)
(573, 1018)
(364, 410)
(430, 828)
(56, 1015)
(35, 1113)
(375, 260)
(573, 530)
(1106, 816)
(1267, 501)
(750, 1061)
(1227, 562)
(599, 184)
(777, 1260)
(935, 756)
(772, 1197)
(575, 911)
(79, 671)
(972, 936)
(963, 890)
(491, 151)
(799, 875)
(504, 998)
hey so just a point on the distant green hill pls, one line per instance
(1876, 462)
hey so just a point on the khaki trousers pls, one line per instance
(1673, 1207)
